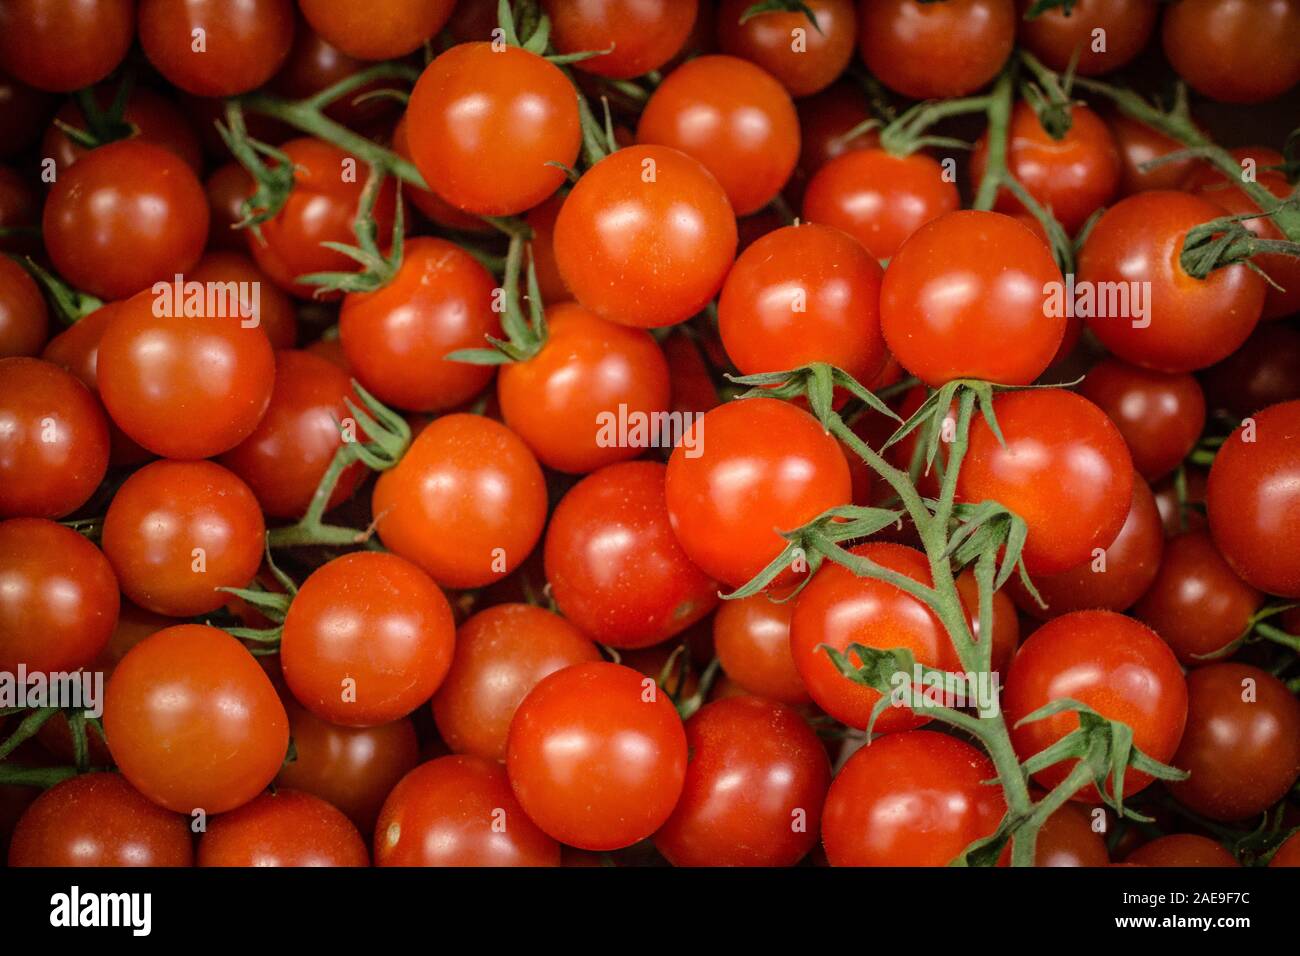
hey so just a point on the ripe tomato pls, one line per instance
(19, 204)
(1112, 663)
(153, 118)
(382, 30)
(1059, 448)
(804, 56)
(485, 127)
(729, 486)
(596, 756)
(1182, 850)
(1188, 323)
(634, 36)
(615, 568)
(226, 188)
(1187, 514)
(53, 440)
(1056, 35)
(98, 819)
(283, 828)
(1073, 176)
(459, 811)
(1006, 626)
(646, 237)
(1067, 838)
(948, 308)
(178, 530)
(752, 639)
(877, 198)
(1235, 52)
(1138, 143)
(193, 722)
(803, 294)
(184, 385)
(1257, 375)
(903, 42)
(501, 654)
(429, 202)
(1253, 499)
(466, 503)
(754, 788)
(243, 44)
(912, 799)
(123, 217)
(58, 597)
(1288, 854)
(64, 45)
(541, 220)
(589, 374)
(272, 309)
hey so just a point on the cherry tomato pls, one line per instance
(566, 400)
(541, 220)
(1183, 850)
(1183, 511)
(596, 756)
(19, 206)
(1138, 144)
(381, 30)
(729, 491)
(64, 45)
(1006, 626)
(1288, 854)
(646, 237)
(243, 43)
(459, 811)
(806, 53)
(226, 188)
(485, 127)
(259, 300)
(193, 722)
(1062, 35)
(466, 503)
(98, 819)
(53, 440)
(949, 309)
(752, 639)
(912, 799)
(178, 530)
(1253, 499)
(429, 202)
(153, 119)
(754, 788)
(1257, 375)
(1067, 838)
(633, 36)
(284, 828)
(1234, 52)
(903, 43)
(1113, 664)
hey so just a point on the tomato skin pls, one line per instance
(1253, 499)
(1234, 52)
(752, 639)
(768, 40)
(396, 337)
(754, 788)
(803, 294)
(1112, 663)
(1054, 36)
(502, 652)
(1183, 850)
(124, 216)
(467, 502)
(184, 387)
(1067, 838)
(100, 820)
(53, 440)
(1258, 374)
(725, 502)
(429, 202)
(156, 120)
(381, 30)
(64, 45)
(901, 41)
(19, 204)
(615, 568)
(597, 756)
(245, 42)
(58, 597)
(450, 812)
(375, 624)
(193, 721)
(1138, 143)
(910, 799)
(226, 188)
(1288, 854)
(274, 311)
(587, 372)
(1073, 176)
(162, 515)
(645, 253)
(643, 35)
(283, 828)
(946, 308)
(1192, 322)
(1006, 625)
(483, 126)
(837, 608)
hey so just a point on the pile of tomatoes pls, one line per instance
(438, 423)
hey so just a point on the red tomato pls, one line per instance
(965, 298)
(19, 205)
(633, 36)
(912, 799)
(466, 503)
(1189, 514)
(646, 237)
(930, 50)
(1253, 500)
(1006, 626)
(752, 639)
(1257, 375)
(1067, 838)
(805, 56)
(64, 45)
(274, 312)
(193, 722)
(242, 43)
(283, 828)
(153, 119)
(1064, 469)
(429, 202)
(1183, 850)
(1138, 143)
(1056, 35)
(226, 188)
(565, 401)
(541, 220)
(459, 811)
(596, 756)
(729, 486)
(53, 440)
(1288, 854)
(380, 30)
(1113, 664)
(1235, 52)
(178, 530)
